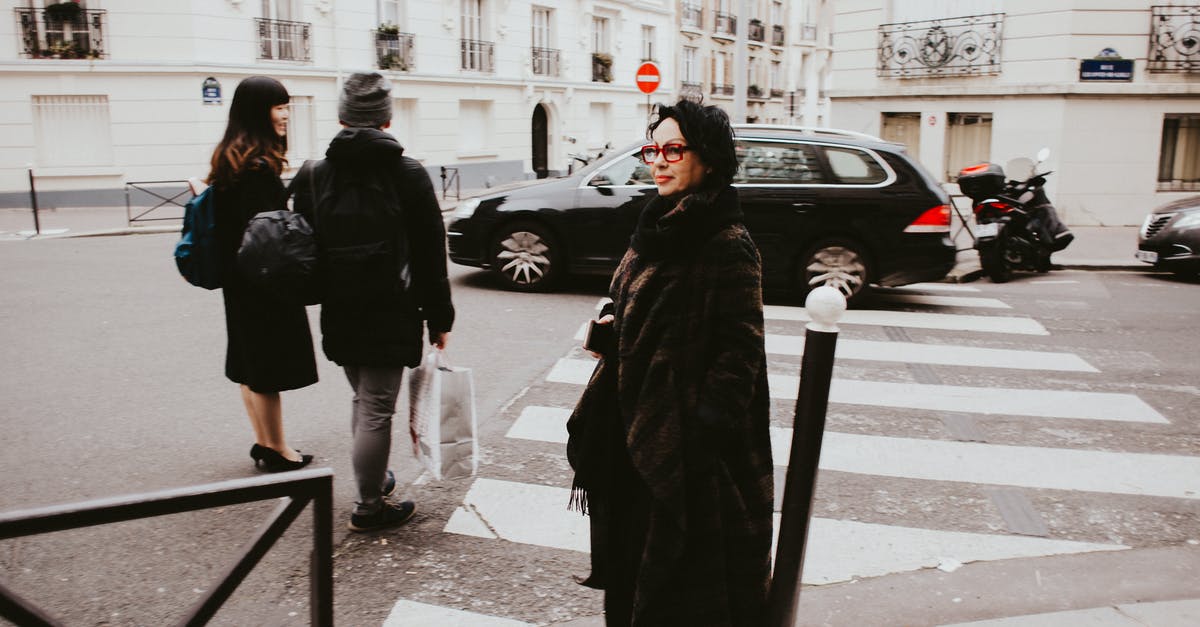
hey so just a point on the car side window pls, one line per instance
(779, 163)
(854, 166)
(628, 170)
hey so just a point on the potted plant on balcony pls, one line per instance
(388, 29)
(392, 61)
(68, 11)
(754, 91)
(602, 67)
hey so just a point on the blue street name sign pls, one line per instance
(211, 91)
(1106, 70)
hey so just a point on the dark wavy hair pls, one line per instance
(250, 136)
(708, 132)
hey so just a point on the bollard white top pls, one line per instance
(825, 307)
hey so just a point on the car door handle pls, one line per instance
(801, 207)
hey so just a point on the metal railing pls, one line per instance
(754, 91)
(450, 178)
(296, 489)
(691, 90)
(776, 35)
(722, 89)
(281, 40)
(545, 61)
(160, 193)
(394, 51)
(776, 93)
(1174, 39)
(757, 31)
(79, 35)
(725, 24)
(691, 15)
(949, 47)
(479, 56)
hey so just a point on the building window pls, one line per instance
(725, 22)
(405, 123)
(65, 30)
(648, 43)
(545, 57)
(968, 141)
(602, 61)
(692, 15)
(690, 73)
(776, 80)
(1179, 156)
(474, 126)
(903, 128)
(477, 54)
(599, 34)
(390, 12)
(599, 124)
(72, 131)
(280, 36)
(301, 133)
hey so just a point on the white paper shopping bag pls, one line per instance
(442, 419)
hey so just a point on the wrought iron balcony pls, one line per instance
(776, 93)
(776, 35)
(756, 92)
(808, 31)
(395, 50)
(691, 90)
(602, 67)
(75, 35)
(691, 15)
(757, 31)
(1174, 39)
(281, 40)
(479, 56)
(725, 24)
(722, 89)
(950, 47)
(545, 61)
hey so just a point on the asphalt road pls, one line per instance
(112, 384)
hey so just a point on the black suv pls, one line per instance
(825, 207)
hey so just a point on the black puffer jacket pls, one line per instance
(366, 322)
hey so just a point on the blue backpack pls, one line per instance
(196, 252)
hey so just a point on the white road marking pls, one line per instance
(919, 320)
(838, 550)
(1054, 282)
(937, 287)
(960, 398)
(944, 354)
(1142, 474)
(943, 301)
(412, 614)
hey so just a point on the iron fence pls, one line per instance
(296, 489)
(949, 47)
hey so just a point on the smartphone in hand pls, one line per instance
(600, 338)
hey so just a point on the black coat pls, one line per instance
(366, 322)
(269, 345)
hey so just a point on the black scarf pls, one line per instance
(670, 229)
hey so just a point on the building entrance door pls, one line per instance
(540, 138)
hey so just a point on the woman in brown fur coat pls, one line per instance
(669, 442)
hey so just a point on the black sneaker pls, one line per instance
(389, 484)
(389, 516)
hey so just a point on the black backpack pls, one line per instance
(353, 208)
(278, 255)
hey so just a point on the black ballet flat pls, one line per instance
(270, 460)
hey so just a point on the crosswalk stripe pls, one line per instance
(412, 614)
(919, 320)
(912, 352)
(958, 398)
(937, 287)
(1142, 474)
(943, 301)
(838, 550)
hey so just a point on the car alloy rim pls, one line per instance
(838, 267)
(524, 258)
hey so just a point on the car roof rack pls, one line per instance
(811, 130)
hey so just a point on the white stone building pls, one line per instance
(115, 91)
(1112, 88)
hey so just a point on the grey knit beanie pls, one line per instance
(365, 101)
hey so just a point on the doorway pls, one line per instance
(540, 139)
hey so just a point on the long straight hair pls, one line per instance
(250, 136)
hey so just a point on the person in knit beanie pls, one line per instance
(366, 101)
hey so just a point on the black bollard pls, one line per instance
(825, 306)
(37, 225)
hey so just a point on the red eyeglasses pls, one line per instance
(670, 152)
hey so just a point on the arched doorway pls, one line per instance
(540, 141)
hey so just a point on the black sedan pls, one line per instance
(824, 207)
(1170, 237)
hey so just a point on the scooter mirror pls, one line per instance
(1019, 169)
(1043, 154)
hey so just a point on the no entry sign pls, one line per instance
(648, 77)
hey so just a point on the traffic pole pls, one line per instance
(825, 306)
(37, 225)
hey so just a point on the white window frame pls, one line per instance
(648, 41)
(600, 34)
(471, 19)
(688, 62)
(542, 27)
(302, 130)
(391, 12)
(285, 10)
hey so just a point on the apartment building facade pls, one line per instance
(1113, 90)
(99, 93)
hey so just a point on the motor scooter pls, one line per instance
(1016, 226)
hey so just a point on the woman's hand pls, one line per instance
(605, 319)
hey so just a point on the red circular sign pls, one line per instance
(648, 77)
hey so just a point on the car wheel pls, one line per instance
(526, 256)
(838, 263)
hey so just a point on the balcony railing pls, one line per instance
(479, 56)
(1174, 39)
(776, 93)
(757, 31)
(545, 61)
(691, 90)
(776, 35)
(395, 51)
(808, 32)
(725, 24)
(281, 40)
(692, 15)
(756, 92)
(720, 89)
(949, 47)
(602, 67)
(79, 35)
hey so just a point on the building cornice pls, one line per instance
(941, 92)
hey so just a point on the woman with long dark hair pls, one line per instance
(270, 347)
(670, 441)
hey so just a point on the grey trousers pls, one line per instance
(375, 392)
